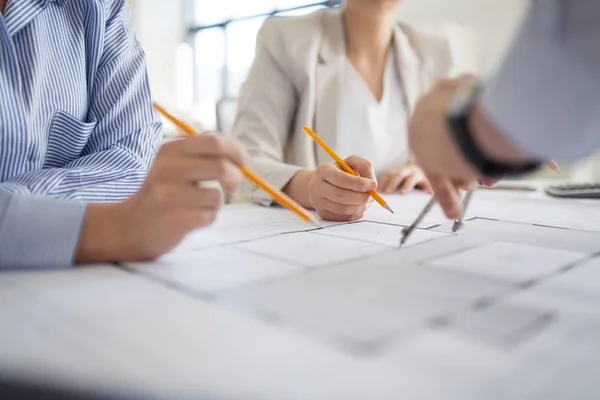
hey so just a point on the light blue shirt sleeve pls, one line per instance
(38, 232)
(546, 95)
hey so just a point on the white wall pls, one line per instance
(492, 23)
(160, 29)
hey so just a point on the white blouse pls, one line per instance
(376, 131)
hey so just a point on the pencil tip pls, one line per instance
(315, 221)
(387, 207)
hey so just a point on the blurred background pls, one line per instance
(199, 51)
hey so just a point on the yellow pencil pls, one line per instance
(344, 166)
(275, 193)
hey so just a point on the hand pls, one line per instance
(435, 150)
(339, 196)
(404, 179)
(168, 206)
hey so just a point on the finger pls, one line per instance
(186, 197)
(361, 166)
(201, 198)
(335, 176)
(447, 195)
(409, 183)
(464, 184)
(342, 196)
(207, 145)
(194, 170)
(191, 220)
(425, 186)
(332, 207)
(328, 216)
(383, 183)
(397, 179)
(488, 183)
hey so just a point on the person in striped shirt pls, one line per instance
(76, 117)
(77, 136)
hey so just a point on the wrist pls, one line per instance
(298, 187)
(104, 236)
(481, 144)
(491, 142)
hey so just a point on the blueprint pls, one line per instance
(516, 293)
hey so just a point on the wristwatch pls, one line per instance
(458, 117)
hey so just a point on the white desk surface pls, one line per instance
(184, 328)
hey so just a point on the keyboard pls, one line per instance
(575, 191)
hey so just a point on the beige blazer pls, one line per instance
(295, 80)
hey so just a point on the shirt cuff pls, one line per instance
(40, 233)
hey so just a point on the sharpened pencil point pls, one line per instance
(387, 207)
(315, 221)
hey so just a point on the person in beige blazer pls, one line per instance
(354, 75)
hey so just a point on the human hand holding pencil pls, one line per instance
(339, 196)
(344, 166)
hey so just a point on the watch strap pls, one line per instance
(458, 124)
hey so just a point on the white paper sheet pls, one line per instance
(106, 328)
(384, 234)
(214, 270)
(326, 312)
(247, 222)
(406, 209)
(310, 250)
(552, 238)
(363, 302)
(513, 262)
(210, 237)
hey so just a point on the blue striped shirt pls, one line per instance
(76, 119)
(76, 122)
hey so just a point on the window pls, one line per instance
(222, 35)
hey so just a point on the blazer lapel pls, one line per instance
(329, 75)
(409, 68)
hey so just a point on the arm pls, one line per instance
(38, 232)
(121, 148)
(266, 110)
(42, 233)
(544, 99)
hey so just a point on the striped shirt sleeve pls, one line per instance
(38, 232)
(127, 131)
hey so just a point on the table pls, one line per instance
(307, 332)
